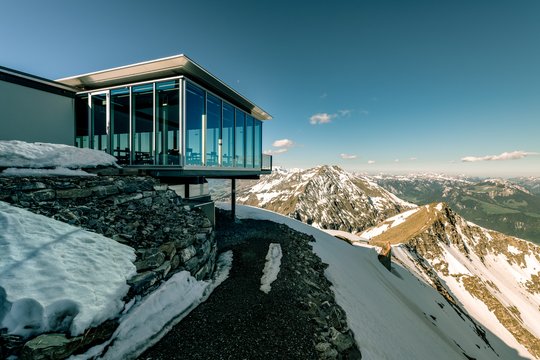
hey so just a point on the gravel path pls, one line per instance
(239, 321)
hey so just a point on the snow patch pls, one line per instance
(20, 154)
(58, 171)
(271, 267)
(155, 315)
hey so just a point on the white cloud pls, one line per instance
(514, 155)
(348, 156)
(364, 112)
(276, 151)
(324, 95)
(283, 143)
(412, 159)
(371, 162)
(324, 118)
(397, 160)
(321, 118)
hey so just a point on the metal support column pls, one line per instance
(233, 199)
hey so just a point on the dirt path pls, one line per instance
(239, 321)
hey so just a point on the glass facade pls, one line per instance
(120, 125)
(239, 152)
(168, 123)
(82, 131)
(143, 121)
(99, 122)
(228, 136)
(172, 122)
(249, 141)
(257, 161)
(213, 129)
(194, 124)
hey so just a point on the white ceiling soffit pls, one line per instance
(162, 68)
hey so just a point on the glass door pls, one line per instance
(99, 108)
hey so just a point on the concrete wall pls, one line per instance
(35, 116)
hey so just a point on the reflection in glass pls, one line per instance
(99, 122)
(120, 125)
(249, 141)
(82, 136)
(228, 135)
(143, 124)
(194, 114)
(258, 144)
(168, 125)
(213, 129)
(240, 132)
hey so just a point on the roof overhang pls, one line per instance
(163, 68)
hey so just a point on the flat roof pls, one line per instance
(162, 68)
(35, 82)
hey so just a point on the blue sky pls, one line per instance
(391, 86)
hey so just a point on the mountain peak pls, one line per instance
(326, 197)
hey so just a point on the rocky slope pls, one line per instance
(326, 197)
(494, 277)
(511, 207)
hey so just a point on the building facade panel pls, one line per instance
(35, 115)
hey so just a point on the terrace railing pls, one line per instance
(266, 163)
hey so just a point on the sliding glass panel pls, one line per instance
(99, 122)
(213, 129)
(82, 135)
(168, 125)
(258, 143)
(228, 135)
(249, 141)
(240, 142)
(143, 117)
(120, 125)
(194, 114)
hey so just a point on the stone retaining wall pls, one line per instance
(167, 236)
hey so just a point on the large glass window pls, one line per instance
(213, 129)
(258, 144)
(168, 125)
(249, 141)
(99, 122)
(240, 140)
(120, 125)
(194, 114)
(143, 120)
(228, 135)
(82, 135)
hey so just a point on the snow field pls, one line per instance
(58, 277)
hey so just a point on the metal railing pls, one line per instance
(266, 162)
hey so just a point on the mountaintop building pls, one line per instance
(168, 118)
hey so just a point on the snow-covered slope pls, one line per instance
(57, 277)
(495, 277)
(326, 197)
(398, 314)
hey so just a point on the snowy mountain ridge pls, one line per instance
(495, 277)
(316, 196)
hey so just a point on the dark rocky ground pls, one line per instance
(298, 319)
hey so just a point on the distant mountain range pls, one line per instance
(509, 206)
(483, 274)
